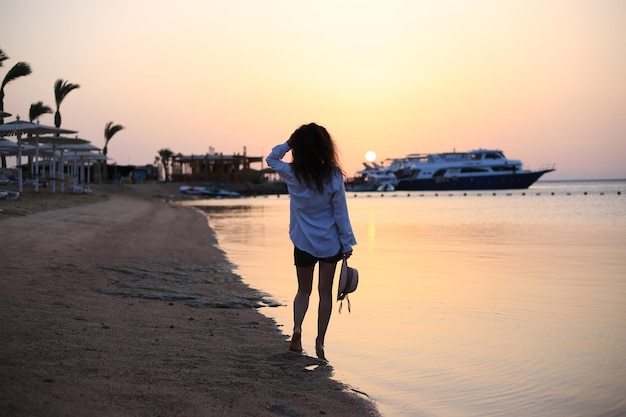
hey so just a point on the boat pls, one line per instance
(215, 192)
(185, 189)
(374, 177)
(480, 169)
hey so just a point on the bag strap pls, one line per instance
(347, 298)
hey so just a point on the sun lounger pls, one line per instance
(76, 187)
(8, 179)
(9, 195)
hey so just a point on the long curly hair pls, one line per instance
(314, 155)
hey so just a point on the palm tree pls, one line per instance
(165, 155)
(109, 130)
(61, 89)
(20, 69)
(37, 109)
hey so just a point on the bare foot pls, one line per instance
(296, 342)
(319, 351)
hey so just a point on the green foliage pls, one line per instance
(109, 130)
(37, 109)
(20, 69)
(61, 89)
(165, 155)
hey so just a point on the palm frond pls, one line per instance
(165, 154)
(61, 89)
(19, 70)
(37, 109)
(3, 57)
(110, 129)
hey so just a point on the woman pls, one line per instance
(319, 225)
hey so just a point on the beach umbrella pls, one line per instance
(57, 142)
(18, 128)
(78, 151)
(42, 160)
(42, 149)
(77, 147)
(88, 158)
(7, 147)
(4, 114)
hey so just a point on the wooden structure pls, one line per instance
(215, 167)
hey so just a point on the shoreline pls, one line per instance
(123, 304)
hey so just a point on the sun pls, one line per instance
(370, 156)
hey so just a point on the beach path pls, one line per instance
(128, 307)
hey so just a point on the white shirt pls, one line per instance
(319, 223)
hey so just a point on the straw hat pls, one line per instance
(348, 280)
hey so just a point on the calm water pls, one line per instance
(511, 304)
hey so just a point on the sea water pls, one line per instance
(505, 303)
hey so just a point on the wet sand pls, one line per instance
(119, 303)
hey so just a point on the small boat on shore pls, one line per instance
(214, 192)
(481, 169)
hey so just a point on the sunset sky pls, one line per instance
(545, 81)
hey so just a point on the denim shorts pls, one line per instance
(302, 258)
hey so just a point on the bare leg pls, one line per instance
(301, 304)
(325, 288)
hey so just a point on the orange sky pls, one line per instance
(542, 80)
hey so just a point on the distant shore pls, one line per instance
(117, 302)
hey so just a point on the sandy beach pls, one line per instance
(120, 303)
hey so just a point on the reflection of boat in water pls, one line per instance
(216, 192)
(480, 169)
(373, 178)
